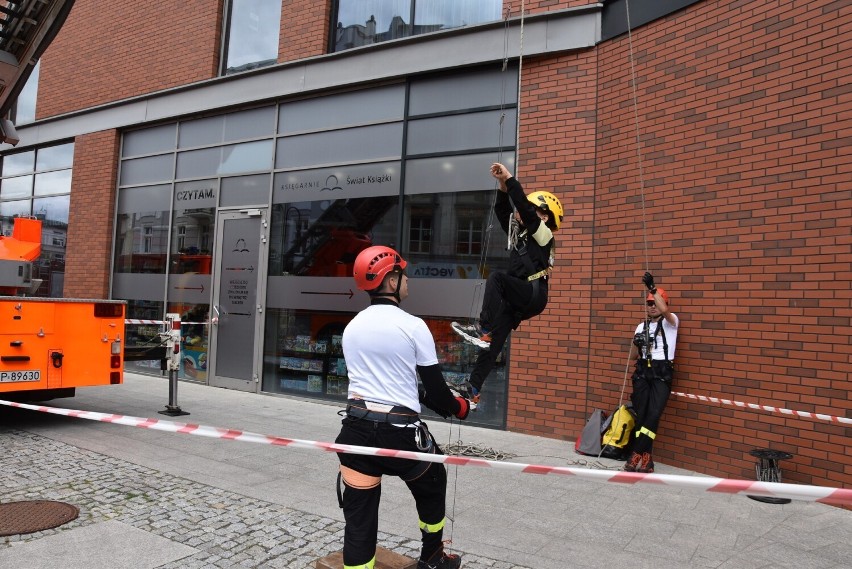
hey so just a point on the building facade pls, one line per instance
(227, 163)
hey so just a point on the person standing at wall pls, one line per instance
(385, 349)
(520, 293)
(653, 348)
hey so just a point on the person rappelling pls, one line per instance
(520, 293)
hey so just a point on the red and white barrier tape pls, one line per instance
(819, 416)
(839, 496)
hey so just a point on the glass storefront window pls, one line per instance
(56, 182)
(303, 353)
(194, 339)
(142, 230)
(17, 187)
(46, 172)
(50, 267)
(143, 335)
(365, 22)
(252, 30)
(20, 163)
(9, 211)
(322, 239)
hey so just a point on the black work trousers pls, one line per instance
(652, 387)
(427, 482)
(506, 302)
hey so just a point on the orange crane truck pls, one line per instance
(51, 346)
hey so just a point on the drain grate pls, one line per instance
(34, 515)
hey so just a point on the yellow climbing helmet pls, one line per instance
(549, 203)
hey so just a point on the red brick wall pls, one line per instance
(557, 150)
(90, 222)
(744, 119)
(113, 49)
(304, 29)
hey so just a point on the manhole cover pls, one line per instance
(34, 515)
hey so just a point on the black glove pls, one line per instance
(648, 280)
(424, 399)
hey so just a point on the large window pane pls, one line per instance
(303, 353)
(54, 157)
(253, 123)
(322, 238)
(245, 190)
(49, 183)
(377, 142)
(364, 22)
(9, 211)
(149, 140)
(447, 234)
(471, 131)
(20, 163)
(252, 32)
(382, 104)
(445, 14)
(192, 228)
(143, 335)
(142, 229)
(17, 187)
(233, 159)
(147, 170)
(472, 90)
(50, 267)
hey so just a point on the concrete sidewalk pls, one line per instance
(156, 499)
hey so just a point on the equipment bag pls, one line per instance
(618, 433)
(589, 441)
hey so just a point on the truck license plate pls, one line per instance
(20, 375)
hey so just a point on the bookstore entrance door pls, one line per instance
(239, 294)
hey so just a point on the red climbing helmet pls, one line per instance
(662, 292)
(373, 264)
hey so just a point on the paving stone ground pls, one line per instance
(225, 528)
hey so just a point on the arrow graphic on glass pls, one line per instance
(349, 294)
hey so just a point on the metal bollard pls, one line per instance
(172, 337)
(767, 470)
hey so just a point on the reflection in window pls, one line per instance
(20, 163)
(25, 105)
(446, 226)
(469, 236)
(252, 30)
(195, 336)
(50, 267)
(143, 335)
(420, 234)
(363, 22)
(322, 238)
(191, 246)
(9, 210)
(141, 239)
(40, 172)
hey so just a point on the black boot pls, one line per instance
(441, 560)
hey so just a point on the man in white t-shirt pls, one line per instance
(654, 350)
(386, 349)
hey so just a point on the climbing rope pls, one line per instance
(637, 130)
